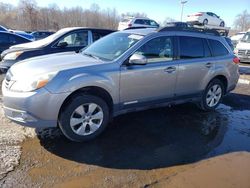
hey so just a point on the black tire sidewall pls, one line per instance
(204, 105)
(222, 24)
(205, 22)
(68, 109)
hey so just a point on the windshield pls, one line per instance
(45, 41)
(246, 37)
(112, 46)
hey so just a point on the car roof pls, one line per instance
(141, 31)
(9, 33)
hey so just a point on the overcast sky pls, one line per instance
(159, 9)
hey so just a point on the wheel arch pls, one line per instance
(223, 79)
(90, 90)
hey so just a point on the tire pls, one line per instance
(222, 24)
(209, 105)
(205, 22)
(84, 118)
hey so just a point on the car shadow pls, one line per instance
(149, 139)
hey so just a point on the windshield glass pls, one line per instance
(45, 41)
(246, 37)
(112, 46)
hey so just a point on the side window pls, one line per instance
(207, 52)
(16, 39)
(147, 22)
(97, 35)
(153, 23)
(76, 39)
(191, 47)
(139, 21)
(157, 50)
(218, 48)
(4, 39)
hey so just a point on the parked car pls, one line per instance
(243, 48)
(9, 39)
(205, 18)
(237, 37)
(41, 34)
(67, 39)
(178, 24)
(23, 34)
(125, 71)
(2, 28)
(137, 22)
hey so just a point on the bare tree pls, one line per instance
(242, 21)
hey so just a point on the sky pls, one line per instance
(159, 9)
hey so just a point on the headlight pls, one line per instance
(32, 83)
(12, 55)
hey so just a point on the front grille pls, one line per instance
(244, 52)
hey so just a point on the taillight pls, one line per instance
(199, 14)
(130, 25)
(236, 60)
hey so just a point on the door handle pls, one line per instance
(170, 69)
(209, 65)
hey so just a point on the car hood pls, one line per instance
(51, 63)
(243, 45)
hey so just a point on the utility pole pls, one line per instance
(182, 6)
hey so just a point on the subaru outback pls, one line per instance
(125, 71)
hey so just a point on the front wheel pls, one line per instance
(84, 117)
(212, 95)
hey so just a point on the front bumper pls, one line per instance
(244, 58)
(39, 108)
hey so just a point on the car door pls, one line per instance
(195, 64)
(141, 84)
(4, 42)
(75, 41)
(210, 18)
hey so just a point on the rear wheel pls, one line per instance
(205, 22)
(222, 24)
(84, 117)
(212, 95)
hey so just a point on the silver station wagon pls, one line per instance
(125, 71)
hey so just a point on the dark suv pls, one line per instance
(65, 40)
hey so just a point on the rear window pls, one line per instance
(218, 48)
(191, 47)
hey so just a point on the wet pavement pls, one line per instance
(143, 149)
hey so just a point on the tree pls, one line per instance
(242, 21)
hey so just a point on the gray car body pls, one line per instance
(130, 88)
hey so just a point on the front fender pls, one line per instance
(71, 82)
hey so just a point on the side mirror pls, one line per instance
(137, 59)
(62, 44)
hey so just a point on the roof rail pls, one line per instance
(138, 28)
(190, 29)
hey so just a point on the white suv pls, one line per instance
(205, 18)
(137, 22)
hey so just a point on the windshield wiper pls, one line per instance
(91, 55)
